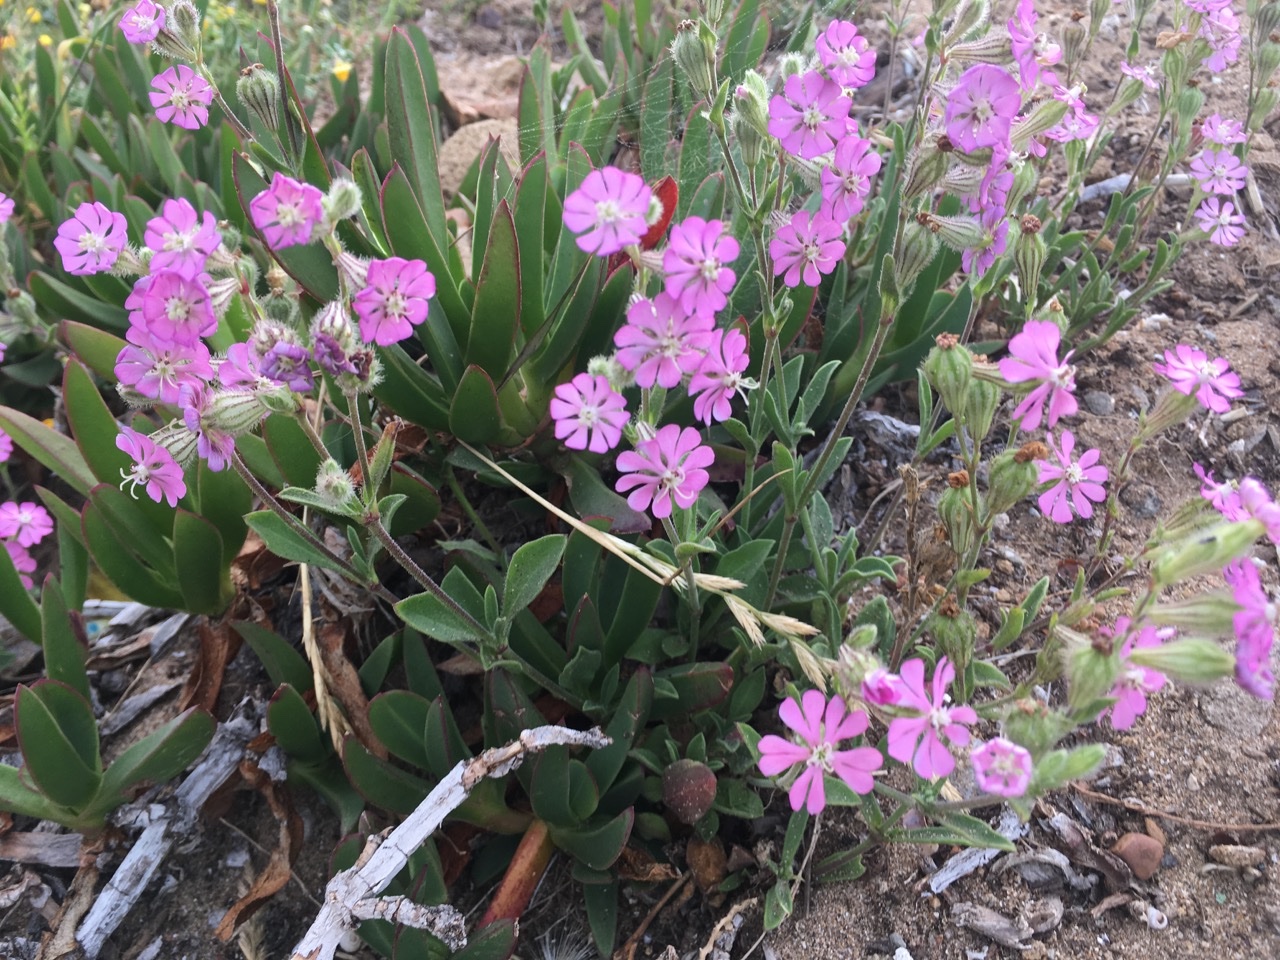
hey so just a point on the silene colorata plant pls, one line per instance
(655, 352)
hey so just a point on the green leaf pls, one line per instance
(956, 830)
(93, 347)
(122, 566)
(283, 540)
(495, 317)
(413, 393)
(421, 504)
(64, 646)
(379, 782)
(160, 755)
(426, 613)
(197, 554)
(66, 302)
(224, 499)
(411, 128)
(17, 797)
(473, 415)
(291, 449)
(601, 900)
(16, 604)
(128, 522)
(51, 449)
(839, 868)
(532, 565)
(58, 737)
(598, 847)
(698, 686)
(562, 791)
(777, 904)
(291, 722)
(497, 941)
(282, 662)
(399, 719)
(655, 120)
(628, 720)
(735, 799)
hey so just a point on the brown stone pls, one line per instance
(1141, 852)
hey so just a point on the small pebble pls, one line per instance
(1099, 403)
(1234, 855)
(1141, 853)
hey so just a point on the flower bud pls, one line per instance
(1025, 180)
(1205, 552)
(957, 512)
(980, 408)
(178, 440)
(791, 65)
(714, 9)
(926, 166)
(1073, 38)
(1044, 116)
(971, 15)
(282, 310)
(259, 91)
(342, 202)
(751, 102)
(1210, 614)
(750, 142)
(958, 232)
(1092, 669)
(1013, 474)
(235, 411)
(1188, 105)
(1130, 90)
(1191, 660)
(913, 255)
(334, 485)
(1267, 59)
(169, 43)
(694, 51)
(1029, 253)
(1033, 725)
(221, 292)
(279, 399)
(183, 23)
(1098, 11)
(1264, 105)
(949, 367)
(1266, 19)
(1171, 408)
(954, 630)
(995, 47)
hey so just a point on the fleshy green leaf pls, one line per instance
(197, 555)
(282, 662)
(158, 756)
(532, 565)
(51, 449)
(58, 737)
(283, 540)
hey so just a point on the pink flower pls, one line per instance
(6, 209)
(589, 414)
(1031, 50)
(719, 376)
(610, 209)
(1219, 171)
(1219, 219)
(1221, 27)
(28, 523)
(660, 342)
(809, 115)
(1078, 482)
(1224, 497)
(694, 263)
(981, 107)
(23, 562)
(919, 740)
(182, 97)
(978, 260)
(1135, 682)
(846, 56)
(91, 241)
(395, 301)
(6, 447)
(238, 370)
(289, 364)
(159, 369)
(176, 307)
(1033, 355)
(180, 238)
(153, 468)
(1222, 132)
(287, 212)
(142, 22)
(1255, 626)
(821, 725)
(846, 181)
(214, 444)
(669, 466)
(1076, 125)
(1147, 75)
(1192, 373)
(1259, 506)
(1002, 767)
(805, 248)
(882, 688)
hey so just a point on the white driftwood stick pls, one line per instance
(352, 895)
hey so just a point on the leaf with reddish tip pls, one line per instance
(58, 737)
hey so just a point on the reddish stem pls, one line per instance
(522, 876)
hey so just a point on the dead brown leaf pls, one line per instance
(218, 645)
(707, 861)
(345, 684)
(639, 865)
(61, 938)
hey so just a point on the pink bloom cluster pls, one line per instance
(1212, 382)
(1220, 173)
(1255, 625)
(920, 737)
(821, 726)
(22, 526)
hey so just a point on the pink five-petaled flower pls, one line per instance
(589, 414)
(846, 181)
(822, 726)
(1135, 682)
(661, 342)
(610, 210)
(154, 468)
(1219, 171)
(669, 466)
(1221, 221)
(1078, 481)
(694, 263)
(28, 523)
(1144, 75)
(1031, 50)
(846, 55)
(180, 238)
(919, 740)
(1192, 373)
(142, 22)
(805, 248)
(1224, 497)
(981, 107)
(1033, 355)
(1217, 130)
(719, 376)
(23, 562)
(158, 369)
(395, 301)
(176, 307)
(809, 115)
(1001, 767)
(287, 212)
(91, 241)
(6, 209)
(1255, 625)
(182, 97)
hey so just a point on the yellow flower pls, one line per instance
(33, 15)
(342, 70)
(46, 40)
(9, 41)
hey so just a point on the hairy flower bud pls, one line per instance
(259, 91)
(178, 440)
(342, 202)
(1209, 614)
(995, 47)
(1013, 474)
(221, 292)
(751, 103)
(949, 367)
(334, 485)
(1191, 660)
(957, 232)
(972, 14)
(235, 411)
(918, 248)
(1092, 668)
(926, 166)
(1025, 180)
(958, 515)
(1029, 253)
(694, 51)
(1044, 116)
(1264, 105)
(180, 38)
(1172, 407)
(791, 65)
(980, 408)
(954, 630)
(1267, 59)
(1205, 552)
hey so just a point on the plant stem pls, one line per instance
(362, 452)
(452, 479)
(691, 598)
(374, 523)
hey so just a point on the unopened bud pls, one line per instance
(1188, 105)
(1025, 180)
(342, 202)
(1092, 668)
(1033, 725)
(1264, 105)
(1267, 19)
(1029, 253)
(954, 630)
(183, 25)
(957, 513)
(1172, 408)
(995, 47)
(235, 411)
(1267, 59)
(957, 232)
(1013, 474)
(972, 14)
(949, 367)
(1191, 660)
(259, 91)
(751, 102)
(926, 166)
(178, 440)
(283, 310)
(334, 485)
(221, 292)
(607, 366)
(918, 248)
(1205, 552)
(980, 408)
(791, 65)
(1044, 116)
(1073, 38)
(695, 56)
(1209, 614)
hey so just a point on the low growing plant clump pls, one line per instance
(655, 353)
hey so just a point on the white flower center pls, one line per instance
(395, 303)
(177, 309)
(91, 242)
(1063, 377)
(180, 99)
(710, 269)
(813, 118)
(588, 416)
(821, 757)
(289, 215)
(178, 241)
(608, 211)
(1074, 474)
